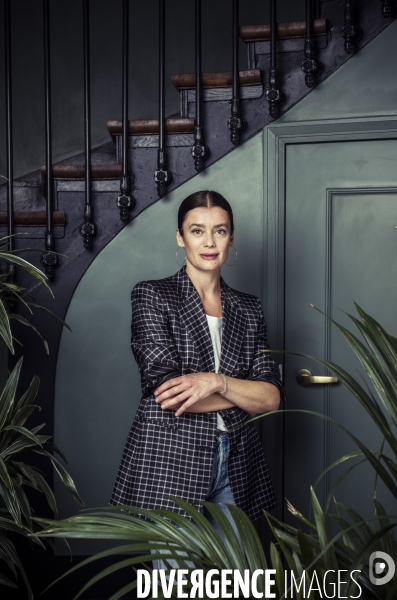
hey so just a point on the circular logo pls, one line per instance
(381, 568)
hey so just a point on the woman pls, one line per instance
(198, 344)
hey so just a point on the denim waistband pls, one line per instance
(219, 433)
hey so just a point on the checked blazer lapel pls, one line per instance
(233, 327)
(192, 315)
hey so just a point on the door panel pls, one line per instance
(341, 248)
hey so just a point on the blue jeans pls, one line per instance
(219, 493)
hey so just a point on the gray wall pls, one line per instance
(67, 65)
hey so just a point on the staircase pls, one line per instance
(143, 134)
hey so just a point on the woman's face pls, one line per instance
(206, 237)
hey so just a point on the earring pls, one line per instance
(176, 256)
(234, 260)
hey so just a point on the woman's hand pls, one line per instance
(187, 389)
(190, 391)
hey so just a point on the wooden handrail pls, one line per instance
(151, 126)
(37, 217)
(216, 80)
(297, 29)
(78, 171)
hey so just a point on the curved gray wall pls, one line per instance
(97, 381)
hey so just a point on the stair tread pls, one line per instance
(295, 29)
(216, 80)
(65, 171)
(33, 217)
(151, 126)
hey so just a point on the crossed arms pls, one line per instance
(160, 366)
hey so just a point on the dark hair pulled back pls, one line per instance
(204, 198)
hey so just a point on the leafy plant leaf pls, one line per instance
(27, 266)
(63, 474)
(25, 322)
(7, 396)
(49, 312)
(5, 329)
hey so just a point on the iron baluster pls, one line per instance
(351, 32)
(236, 123)
(274, 95)
(125, 202)
(9, 146)
(386, 8)
(200, 151)
(48, 259)
(162, 176)
(311, 67)
(88, 229)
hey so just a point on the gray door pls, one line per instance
(340, 248)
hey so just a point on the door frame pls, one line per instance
(277, 137)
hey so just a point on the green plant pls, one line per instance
(311, 550)
(168, 531)
(17, 441)
(15, 293)
(308, 548)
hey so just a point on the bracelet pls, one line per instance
(223, 392)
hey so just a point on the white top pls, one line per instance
(215, 327)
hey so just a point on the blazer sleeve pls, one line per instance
(264, 367)
(152, 343)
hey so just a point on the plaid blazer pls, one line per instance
(168, 455)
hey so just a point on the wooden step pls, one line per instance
(104, 172)
(37, 217)
(187, 81)
(297, 29)
(151, 126)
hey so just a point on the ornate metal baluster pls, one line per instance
(9, 146)
(47, 259)
(88, 229)
(125, 202)
(311, 67)
(162, 176)
(386, 8)
(200, 151)
(274, 95)
(351, 32)
(236, 123)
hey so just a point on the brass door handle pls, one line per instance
(305, 377)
